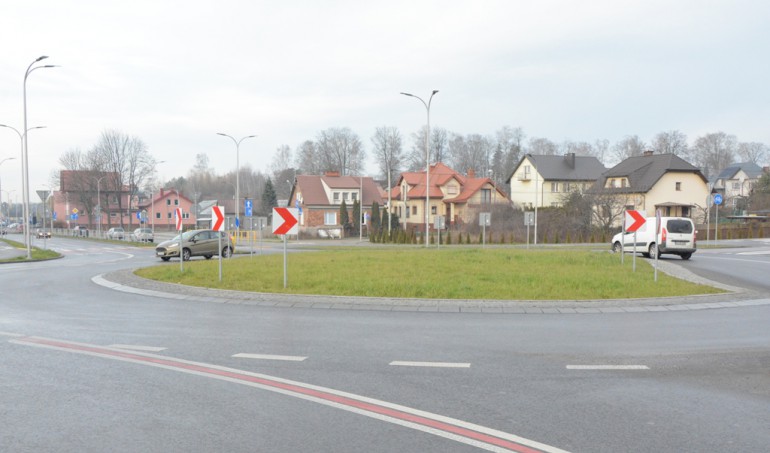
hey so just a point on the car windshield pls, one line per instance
(680, 226)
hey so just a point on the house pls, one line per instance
(456, 197)
(735, 183)
(159, 210)
(319, 199)
(540, 180)
(655, 181)
(94, 200)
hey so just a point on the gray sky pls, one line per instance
(175, 73)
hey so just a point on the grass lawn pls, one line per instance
(37, 253)
(449, 273)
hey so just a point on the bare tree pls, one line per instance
(542, 147)
(387, 151)
(753, 152)
(339, 149)
(713, 152)
(282, 159)
(630, 146)
(307, 159)
(472, 152)
(579, 148)
(671, 142)
(439, 148)
(601, 147)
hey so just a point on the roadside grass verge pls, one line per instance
(37, 253)
(450, 273)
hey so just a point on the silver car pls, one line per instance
(115, 233)
(142, 235)
(203, 243)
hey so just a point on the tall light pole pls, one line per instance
(25, 159)
(99, 205)
(8, 194)
(1, 185)
(24, 175)
(427, 163)
(237, 173)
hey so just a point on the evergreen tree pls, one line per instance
(344, 219)
(376, 216)
(356, 216)
(269, 198)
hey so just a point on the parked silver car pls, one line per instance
(142, 235)
(116, 233)
(203, 243)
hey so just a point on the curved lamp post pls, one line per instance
(25, 152)
(1, 185)
(427, 163)
(237, 173)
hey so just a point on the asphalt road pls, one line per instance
(87, 368)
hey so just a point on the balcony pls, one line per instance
(524, 176)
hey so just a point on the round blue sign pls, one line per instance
(717, 198)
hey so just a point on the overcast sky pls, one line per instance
(175, 73)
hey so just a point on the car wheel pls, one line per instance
(165, 258)
(186, 254)
(616, 247)
(653, 251)
(686, 256)
(226, 252)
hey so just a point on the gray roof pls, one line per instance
(644, 171)
(564, 168)
(751, 169)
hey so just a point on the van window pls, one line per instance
(679, 226)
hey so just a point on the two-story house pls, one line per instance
(655, 181)
(543, 181)
(457, 197)
(319, 198)
(735, 183)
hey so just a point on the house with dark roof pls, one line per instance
(656, 181)
(735, 183)
(319, 199)
(450, 194)
(543, 181)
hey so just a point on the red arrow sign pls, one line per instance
(217, 218)
(285, 221)
(179, 219)
(634, 221)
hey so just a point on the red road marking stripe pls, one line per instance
(345, 401)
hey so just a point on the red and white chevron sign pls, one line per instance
(285, 221)
(178, 219)
(218, 218)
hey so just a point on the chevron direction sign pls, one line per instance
(634, 221)
(218, 218)
(285, 221)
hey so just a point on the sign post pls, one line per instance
(218, 225)
(485, 220)
(717, 201)
(438, 224)
(285, 223)
(657, 241)
(178, 214)
(529, 220)
(633, 221)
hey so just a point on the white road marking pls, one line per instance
(133, 347)
(10, 334)
(289, 358)
(431, 364)
(607, 367)
(761, 252)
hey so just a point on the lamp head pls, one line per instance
(434, 92)
(41, 58)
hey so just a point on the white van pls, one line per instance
(676, 237)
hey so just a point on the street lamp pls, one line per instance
(1, 185)
(99, 205)
(237, 173)
(25, 159)
(427, 162)
(8, 193)
(25, 185)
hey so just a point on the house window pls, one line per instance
(168, 215)
(336, 197)
(486, 196)
(554, 204)
(407, 212)
(354, 195)
(330, 218)
(176, 202)
(157, 215)
(678, 186)
(623, 182)
(736, 186)
(451, 190)
(526, 171)
(168, 201)
(567, 187)
(685, 211)
(554, 187)
(414, 210)
(433, 210)
(345, 196)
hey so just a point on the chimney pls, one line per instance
(766, 169)
(332, 173)
(162, 192)
(471, 173)
(648, 153)
(570, 159)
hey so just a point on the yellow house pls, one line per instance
(456, 197)
(650, 182)
(543, 181)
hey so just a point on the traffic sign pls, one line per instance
(178, 213)
(285, 221)
(248, 207)
(217, 218)
(634, 220)
(717, 199)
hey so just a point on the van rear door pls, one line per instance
(679, 234)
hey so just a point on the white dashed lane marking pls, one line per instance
(133, 347)
(288, 358)
(431, 364)
(607, 367)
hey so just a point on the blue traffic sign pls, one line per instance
(717, 199)
(247, 207)
(237, 223)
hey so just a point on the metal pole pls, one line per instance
(427, 164)
(285, 267)
(237, 177)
